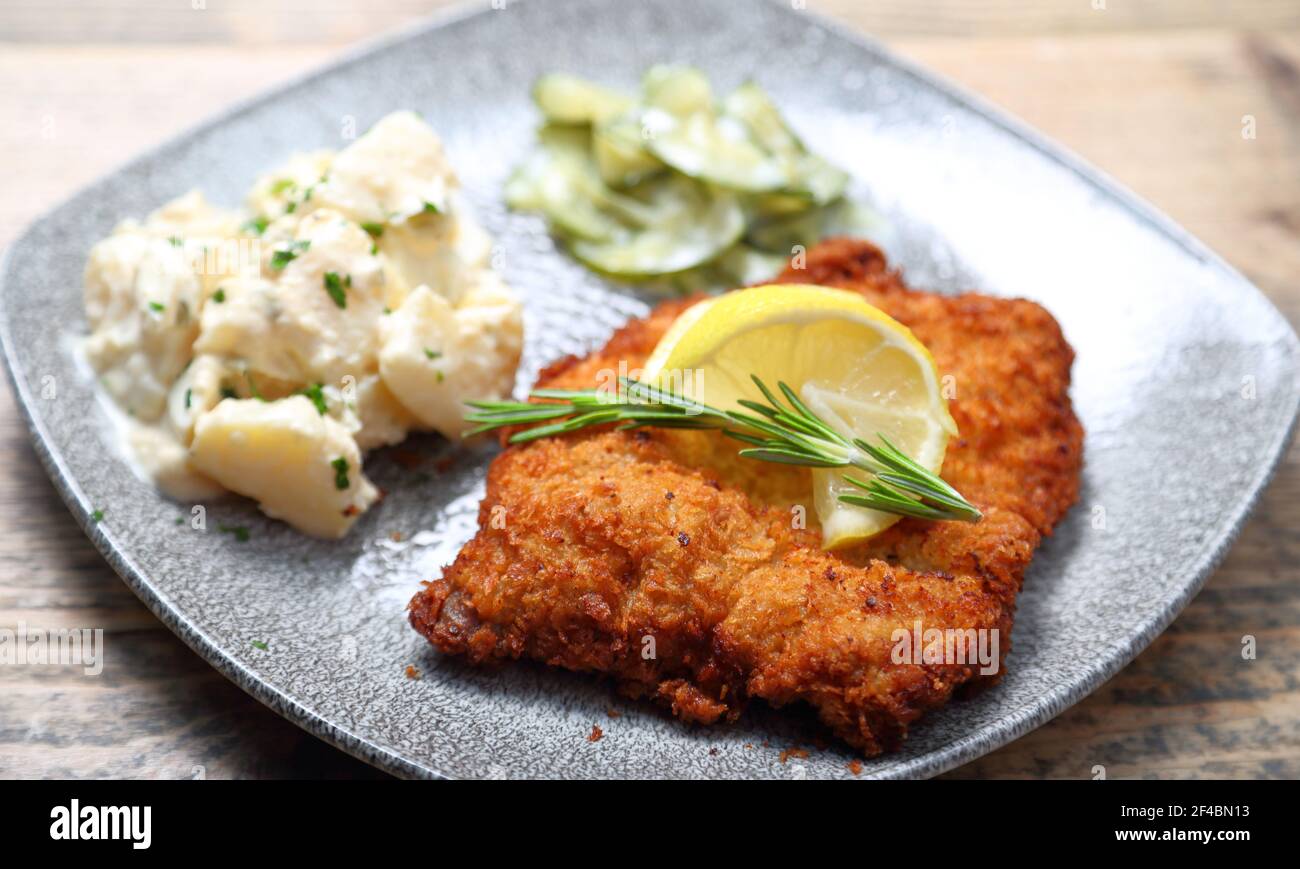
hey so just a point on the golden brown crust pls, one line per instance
(659, 558)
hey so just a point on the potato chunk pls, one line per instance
(395, 171)
(316, 320)
(435, 356)
(300, 466)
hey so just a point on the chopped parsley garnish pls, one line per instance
(375, 229)
(282, 185)
(219, 296)
(340, 466)
(334, 286)
(387, 310)
(432, 354)
(374, 249)
(291, 208)
(176, 241)
(317, 396)
(240, 532)
(187, 398)
(282, 256)
(97, 515)
(252, 386)
(441, 377)
(157, 307)
(430, 208)
(258, 644)
(180, 520)
(257, 225)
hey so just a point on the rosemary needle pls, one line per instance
(786, 432)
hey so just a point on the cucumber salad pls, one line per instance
(675, 189)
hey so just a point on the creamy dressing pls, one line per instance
(264, 350)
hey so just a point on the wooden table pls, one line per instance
(1153, 91)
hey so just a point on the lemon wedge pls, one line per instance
(864, 373)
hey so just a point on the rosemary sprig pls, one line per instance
(787, 432)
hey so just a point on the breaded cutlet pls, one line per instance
(660, 558)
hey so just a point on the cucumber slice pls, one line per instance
(702, 279)
(619, 148)
(812, 178)
(702, 229)
(717, 151)
(568, 99)
(679, 90)
(751, 105)
(738, 266)
(559, 145)
(573, 209)
(523, 187)
(742, 265)
(815, 183)
(818, 181)
(766, 206)
(853, 219)
(780, 235)
(576, 201)
(560, 180)
(565, 140)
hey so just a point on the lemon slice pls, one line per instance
(864, 373)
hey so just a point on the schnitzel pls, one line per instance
(686, 573)
(660, 558)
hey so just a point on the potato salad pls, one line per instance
(264, 351)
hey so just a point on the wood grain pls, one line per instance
(1153, 92)
(257, 22)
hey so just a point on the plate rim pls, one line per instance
(1010, 726)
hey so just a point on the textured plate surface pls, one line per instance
(1175, 351)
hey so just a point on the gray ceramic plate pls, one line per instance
(1176, 351)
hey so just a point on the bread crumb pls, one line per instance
(613, 713)
(855, 767)
(411, 672)
(596, 734)
(796, 752)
